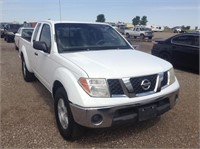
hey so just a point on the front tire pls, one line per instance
(68, 128)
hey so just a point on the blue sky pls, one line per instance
(160, 12)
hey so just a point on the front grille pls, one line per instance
(136, 83)
(117, 86)
(165, 79)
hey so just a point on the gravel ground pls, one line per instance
(27, 115)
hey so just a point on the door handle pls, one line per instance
(36, 54)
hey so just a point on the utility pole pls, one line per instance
(60, 10)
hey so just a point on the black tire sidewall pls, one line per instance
(24, 67)
(28, 76)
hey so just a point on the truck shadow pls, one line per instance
(44, 94)
(117, 133)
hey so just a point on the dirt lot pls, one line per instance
(27, 116)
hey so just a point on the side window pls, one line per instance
(46, 35)
(36, 31)
(185, 40)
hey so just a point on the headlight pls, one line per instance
(95, 87)
(171, 76)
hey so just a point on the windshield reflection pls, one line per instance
(82, 37)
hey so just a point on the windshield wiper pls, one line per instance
(75, 49)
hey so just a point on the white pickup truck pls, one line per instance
(141, 32)
(95, 76)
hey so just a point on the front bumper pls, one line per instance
(110, 116)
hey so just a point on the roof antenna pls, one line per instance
(60, 9)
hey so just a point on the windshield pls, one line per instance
(81, 37)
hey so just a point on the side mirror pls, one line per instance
(40, 45)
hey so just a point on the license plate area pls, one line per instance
(147, 112)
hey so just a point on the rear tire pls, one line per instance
(68, 128)
(28, 76)
(16, 48)
(8, 39)
(127, 35)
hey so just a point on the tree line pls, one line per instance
(135, 21)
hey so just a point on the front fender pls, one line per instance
(69, 81)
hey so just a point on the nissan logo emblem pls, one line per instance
(145, 84)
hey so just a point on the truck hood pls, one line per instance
(117, 63)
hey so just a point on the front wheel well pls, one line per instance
(56, 85)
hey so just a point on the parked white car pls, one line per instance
(23, 32)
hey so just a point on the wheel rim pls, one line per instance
(24, 68)
(62, 114)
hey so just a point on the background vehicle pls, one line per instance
(23, 32)
(181, 50)
(121, 29)
(9, 31)
(179, 30)
(156, 28)
(2, 25)
(141, 32)
(76, 62)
